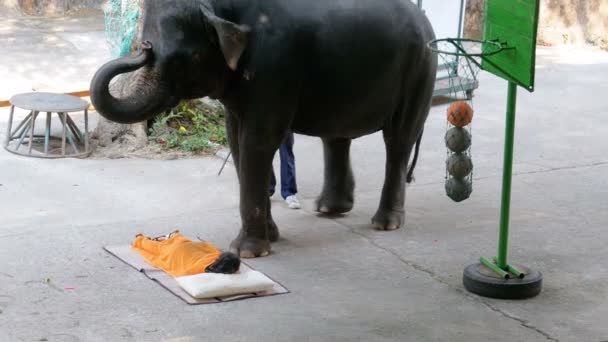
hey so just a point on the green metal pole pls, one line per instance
(503, 241)
(519, 274)
(489, 264)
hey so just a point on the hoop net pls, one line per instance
(459, 65)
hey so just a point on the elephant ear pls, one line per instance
(233, 38)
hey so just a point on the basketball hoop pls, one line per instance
(460, 60)
(465, 47)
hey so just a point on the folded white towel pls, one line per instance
(210, 285)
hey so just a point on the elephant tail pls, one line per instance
(410, 173)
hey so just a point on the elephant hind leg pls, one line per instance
(410, 172)
(400, 137)
(339, 183)
(391, 212)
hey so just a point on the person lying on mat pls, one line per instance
(180, 256)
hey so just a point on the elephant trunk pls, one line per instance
(143, 101)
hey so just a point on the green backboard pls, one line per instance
(515, 24)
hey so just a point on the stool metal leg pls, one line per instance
(33, 125)
(68, 132)
(62, 135)
(19, 130)
(86, 130)
(74, 129)
(23, 133)
(47, 133)
(10, 124)
(72, 133)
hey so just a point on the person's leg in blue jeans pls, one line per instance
(289, 187)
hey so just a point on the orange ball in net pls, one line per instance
(460, 114)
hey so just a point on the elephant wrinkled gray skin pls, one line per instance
(337, 69)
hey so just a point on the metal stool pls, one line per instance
(50, 103)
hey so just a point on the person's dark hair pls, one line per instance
(227, 263)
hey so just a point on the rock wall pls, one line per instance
(561, 21)
(574, 22)
(473, 19)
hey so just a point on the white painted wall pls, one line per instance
(443, 15)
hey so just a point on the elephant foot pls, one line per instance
(332, 204)
(248, 247)
(388, 219)
(273, 231)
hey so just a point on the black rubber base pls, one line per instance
(481, 280)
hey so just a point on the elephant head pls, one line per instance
(187, 51)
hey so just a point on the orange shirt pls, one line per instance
(177, 255)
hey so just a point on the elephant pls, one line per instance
(338, 70)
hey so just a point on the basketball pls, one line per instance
(457, 139)
(460, 114)
(459, 165)
(458, 189)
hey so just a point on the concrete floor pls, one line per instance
(60, 52)
(347, 281)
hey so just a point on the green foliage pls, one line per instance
(193, 126)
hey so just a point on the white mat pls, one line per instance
(133, 259)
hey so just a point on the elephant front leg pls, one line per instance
(232, 133)
(338, 186)
(255, 163)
